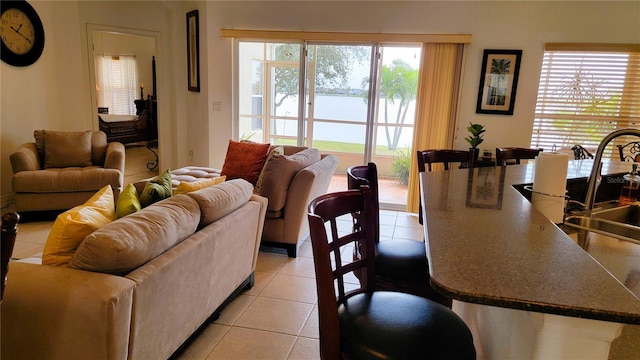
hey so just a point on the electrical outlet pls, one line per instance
(217, 106)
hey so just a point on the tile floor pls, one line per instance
(277, 318)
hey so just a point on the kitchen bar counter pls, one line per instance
(488, 245)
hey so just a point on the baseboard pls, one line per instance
(6, 201)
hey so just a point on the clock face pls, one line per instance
(16, 31)
(21, 33)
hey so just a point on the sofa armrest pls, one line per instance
(61, 313)
(115, 156)
(305, 186)
(262, 201)
(25, 158)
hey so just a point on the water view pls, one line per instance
(351, 109)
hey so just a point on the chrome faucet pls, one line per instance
(596, 170)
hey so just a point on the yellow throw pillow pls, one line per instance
(158, 188)
(128, 202)
(72, 226)
(187, 187)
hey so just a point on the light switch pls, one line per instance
(217, 106)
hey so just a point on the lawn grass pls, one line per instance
(338, 146)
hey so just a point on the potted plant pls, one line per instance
(475, 138)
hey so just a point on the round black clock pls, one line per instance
(21, 32)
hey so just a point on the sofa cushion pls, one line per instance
(67, 149)
(38, 135)
(192, 173)
(189, 186)
(63, 180)
(72, 226)
(244, 160)
(129, 242)
(217, 201)
(292, 149)
(274, 150)
(128, 202)
(277, 175)
(156, 189)
(99, 146)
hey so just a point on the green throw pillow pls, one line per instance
(128, 201)
(158, 188)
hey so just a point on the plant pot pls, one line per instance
(476, 153)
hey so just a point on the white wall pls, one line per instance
(525, 25)
(54, 93)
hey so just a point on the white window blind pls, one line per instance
(118, 83)
(586, 92)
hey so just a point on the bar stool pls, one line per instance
(426, 158)
(401, 265)
(359, 322)
(515, 153)
(9, 230)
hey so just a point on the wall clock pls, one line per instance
(22, 33)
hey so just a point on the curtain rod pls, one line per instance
(345, 36)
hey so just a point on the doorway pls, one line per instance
(123, 86)
(319, 95)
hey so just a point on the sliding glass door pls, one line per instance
(338, 107)
(333, 110)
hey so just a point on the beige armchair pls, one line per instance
(290, 227)
(63, 169)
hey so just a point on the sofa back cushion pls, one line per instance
(67, 148)
(277, 174)
(98, 146)
(129, 242)
(217, 201)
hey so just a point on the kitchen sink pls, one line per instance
(621, 222)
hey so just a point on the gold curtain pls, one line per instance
(436, 106)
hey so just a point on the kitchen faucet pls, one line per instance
(595, 176)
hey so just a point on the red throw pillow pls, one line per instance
(244, 160)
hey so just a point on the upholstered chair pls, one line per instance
(60, 170)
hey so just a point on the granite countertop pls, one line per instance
(487, 244)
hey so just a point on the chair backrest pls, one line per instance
(366, 175)
(580, 153)
(334, 266)
(629, 151)
(515, 153)
(443, 156)
(9, 231)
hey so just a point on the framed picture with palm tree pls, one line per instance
(498, 81)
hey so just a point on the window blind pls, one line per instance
(118, 83)
(586, 91)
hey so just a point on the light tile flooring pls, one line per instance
(277, 318)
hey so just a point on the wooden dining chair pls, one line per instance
(426, 158)
(629, 151)
(356, 321)
(401, 264)
(443, 156)
(8, 239)
(503, 155)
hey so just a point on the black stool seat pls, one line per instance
(402, 260)
(401, 326)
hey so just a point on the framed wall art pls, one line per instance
(498, 81)
(193, 51)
